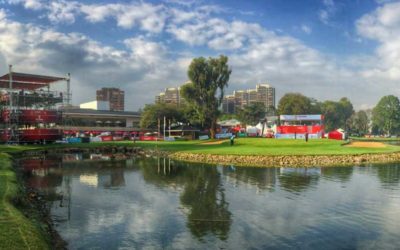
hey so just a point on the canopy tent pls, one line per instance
(28, 81)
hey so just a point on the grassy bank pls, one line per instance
(242, 146)
(16, 231)
(259, 146)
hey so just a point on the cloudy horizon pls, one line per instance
(324, 49)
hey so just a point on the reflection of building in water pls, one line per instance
(113, 179)
(298, 179)
(252, 176)
(90, 180)
(72, 157)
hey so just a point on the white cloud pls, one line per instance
(306, 29)
(383, 25)
(143, 68)
(327, 12)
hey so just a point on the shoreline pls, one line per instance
(288, 161)
(238, 160)
(41, 214)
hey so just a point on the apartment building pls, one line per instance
(263, 93)
(114, 96)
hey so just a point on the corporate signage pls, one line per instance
(301, 117)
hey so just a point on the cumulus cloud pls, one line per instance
(141, 68)
(144, 65)
(383, 26)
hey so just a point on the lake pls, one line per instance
(103, 202)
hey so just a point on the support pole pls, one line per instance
(68, 89)
(165, 121)
(10, 85)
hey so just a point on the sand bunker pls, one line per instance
(214, 142)
(366, 144)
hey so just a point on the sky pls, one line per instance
(324, 49)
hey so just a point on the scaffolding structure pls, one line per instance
(29, 108)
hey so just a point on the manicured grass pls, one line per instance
(261, 146)
(16, 231)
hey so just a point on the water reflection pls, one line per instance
(298, 180)
(127, 202)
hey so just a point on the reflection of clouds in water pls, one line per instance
(346, 209)
(135, 212)
(285, 216)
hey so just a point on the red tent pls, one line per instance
(336, 135)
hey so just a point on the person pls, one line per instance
(306, 136)
(232, 140)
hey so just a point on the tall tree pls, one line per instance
(337, 114)
(209, 77)
(359, 123)
(294, 104)
(251, 114)
(153, 112)
(386, 115)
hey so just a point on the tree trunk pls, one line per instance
(213, 128)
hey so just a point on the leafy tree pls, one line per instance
(251, 114)
(152, 112)
(209, 77)
(359, 123)
(346, 111)
(224, 117)
(337, 114)
(386, 116)
(294, 104)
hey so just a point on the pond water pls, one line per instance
(136, 203)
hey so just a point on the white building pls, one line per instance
(95, 105)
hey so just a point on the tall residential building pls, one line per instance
(263, 93)
(170, 96)
(114, 96)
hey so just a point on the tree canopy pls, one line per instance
(152, 112)
(294, 104)
(359, 123)
(251, 114)
(386, 115)
(208, 79)
(337, 114)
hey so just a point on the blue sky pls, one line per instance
(324, 49)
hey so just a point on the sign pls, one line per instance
(169, 139)
(204, 137)
(301, 117)
(223, 136)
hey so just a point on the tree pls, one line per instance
(294, 104)
(359, 123)
(337, 114)
(385, 115)
(346, 111)
(251, 114)
(208, 79)
(153, 112)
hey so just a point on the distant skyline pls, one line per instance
(324, 49)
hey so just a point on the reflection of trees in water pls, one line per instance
(262, 178)
(298, 180)
(202, 194)
(342, 174)
(389, 174)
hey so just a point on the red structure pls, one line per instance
(298, 126)
(336, 135)
(29, 114)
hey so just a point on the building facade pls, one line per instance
(171, 96)
(263, 93)
(114, 96)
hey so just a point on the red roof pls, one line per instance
(27, 81)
